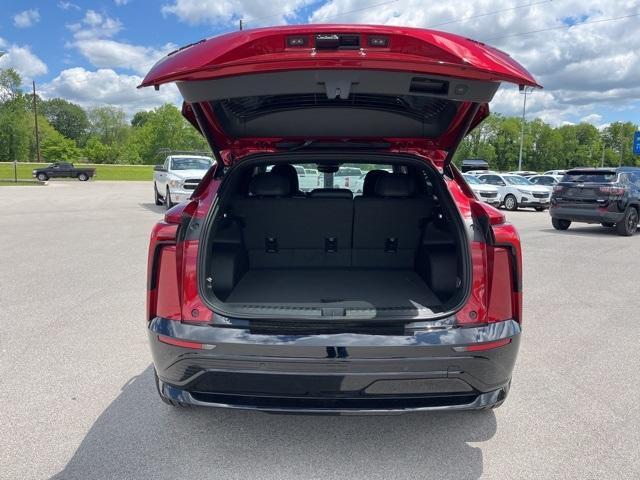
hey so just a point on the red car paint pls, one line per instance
(265, 50)
(496, 266)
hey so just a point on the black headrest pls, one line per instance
(288, 172)
(331, 193)
(397, 185)
(269, 185)
(369, 184)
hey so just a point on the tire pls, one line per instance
(156, 195)
(167, 199)
(510, 203)
(540, 209)
(560, 224)
(43, 177)
(608, 224)
(166, 400)
(629, 223)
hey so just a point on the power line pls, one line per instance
(577, 24)
(495, 12)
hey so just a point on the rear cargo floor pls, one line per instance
(379, 289)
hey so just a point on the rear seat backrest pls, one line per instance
(387, 228)
(280, 231)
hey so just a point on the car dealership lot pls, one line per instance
(77, 398)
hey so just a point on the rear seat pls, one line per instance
(329, 228)
(281, 231)
(387, 227)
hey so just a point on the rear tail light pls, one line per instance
(496, 270)
(612, 190)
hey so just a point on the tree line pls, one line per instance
(105, 135)
(67, 132)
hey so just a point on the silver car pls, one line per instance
(487, 193)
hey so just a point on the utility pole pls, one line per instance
(525, 91)
(240, 24)
(35, 117)
(602, 162)
(621, 144)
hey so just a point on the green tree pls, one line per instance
(97, 152)
(66, 117)
(109, 124)
(10, 82)
(57, 147)
(164, 128)
(140, 118)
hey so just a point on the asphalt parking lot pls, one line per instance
(77, 399)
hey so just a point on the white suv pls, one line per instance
(517, 191)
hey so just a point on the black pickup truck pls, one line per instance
(63, 170)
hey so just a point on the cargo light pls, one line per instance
(297, 41)
(379, 42)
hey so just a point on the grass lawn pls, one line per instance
(103, 172)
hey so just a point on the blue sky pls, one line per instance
(95, 52)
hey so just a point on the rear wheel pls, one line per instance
(156, 195)
(167, 199)
(43, 177)
(629, 223)
(510, 203)
(166, 400)
(83, 177)
(560, 224)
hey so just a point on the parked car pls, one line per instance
(474, 164)
(555, 173)
(63, 170)
(517, 191)
(548, 181)
(487, 193)
(524, 173)
(308, 179)
(408, 299)
(178, 177)
(347, 177)
(476, 173)
(609, 196)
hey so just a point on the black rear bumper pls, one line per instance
(335, 373)
(583, 214)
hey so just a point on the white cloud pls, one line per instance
(67, 5)
(221, 12)
(106, 53)
(26, 18)
(120, 2)
(25, 62)
(95, 25)
(106, 87)
(582, 68)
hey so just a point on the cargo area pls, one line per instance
(382, 248)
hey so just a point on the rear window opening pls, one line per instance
(577, 176)
(332, 239)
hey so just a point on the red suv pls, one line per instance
(404, 298)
